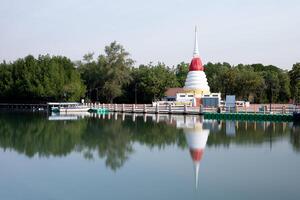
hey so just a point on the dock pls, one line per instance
(277, 113)
(255, 112)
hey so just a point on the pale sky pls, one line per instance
(234, 31)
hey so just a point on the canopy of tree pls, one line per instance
(43, 79)
(112, 77)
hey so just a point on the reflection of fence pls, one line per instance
(185, 109)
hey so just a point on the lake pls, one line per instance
(120, 156)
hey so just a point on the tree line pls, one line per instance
(112, 77)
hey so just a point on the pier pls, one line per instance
(254, 112)
(278, 112)
(24, 107)
(287, 109)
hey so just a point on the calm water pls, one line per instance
(138, 157)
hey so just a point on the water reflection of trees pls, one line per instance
(113, 139)
(295, 137)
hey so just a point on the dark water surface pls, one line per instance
(146, 157)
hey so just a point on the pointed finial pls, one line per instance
(196, 51)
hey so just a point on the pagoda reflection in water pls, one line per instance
(196, 137)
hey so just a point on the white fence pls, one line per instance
(185, 109)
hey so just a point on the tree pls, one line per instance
(109, 74)
(43, 79)
(6, 81)
(152, 81)
(214, 73)
(295, 82)
(249, 84)
(272, 85)
(284, 91)
(182, 70)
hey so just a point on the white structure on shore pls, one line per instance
(196, 81)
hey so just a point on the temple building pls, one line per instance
(196, 81)
(196, 86)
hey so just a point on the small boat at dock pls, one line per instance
(70, 107)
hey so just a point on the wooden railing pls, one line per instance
(185, 109)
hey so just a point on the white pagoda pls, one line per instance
(196, 81)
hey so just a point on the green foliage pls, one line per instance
(272, 85)
(152, 81)
(295, 82)
(6, 80)
(42, 79)
(111, 77)
(182, 70)
(109, 74)
(256, 83)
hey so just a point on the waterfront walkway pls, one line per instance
(184, 109)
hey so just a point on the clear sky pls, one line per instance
(234, 31)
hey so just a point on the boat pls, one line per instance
(98, 110)
(68, 107)
(74, 109)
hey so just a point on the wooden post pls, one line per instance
(185, 109)
(170, 108)
(133, 108)
(157, 108)
(115, 108)
(123, 108)
(145, 108)
(283, 110)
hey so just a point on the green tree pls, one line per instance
(214, 73)
(109, 74)
(153, 80)
(6, 81)
(272, 85)
(182, 70)
(295, 82)
(42, 79)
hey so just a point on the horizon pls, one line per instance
(235, 32)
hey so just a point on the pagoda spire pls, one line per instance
(196, 51)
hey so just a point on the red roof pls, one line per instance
(196, 65)
(171, 92)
